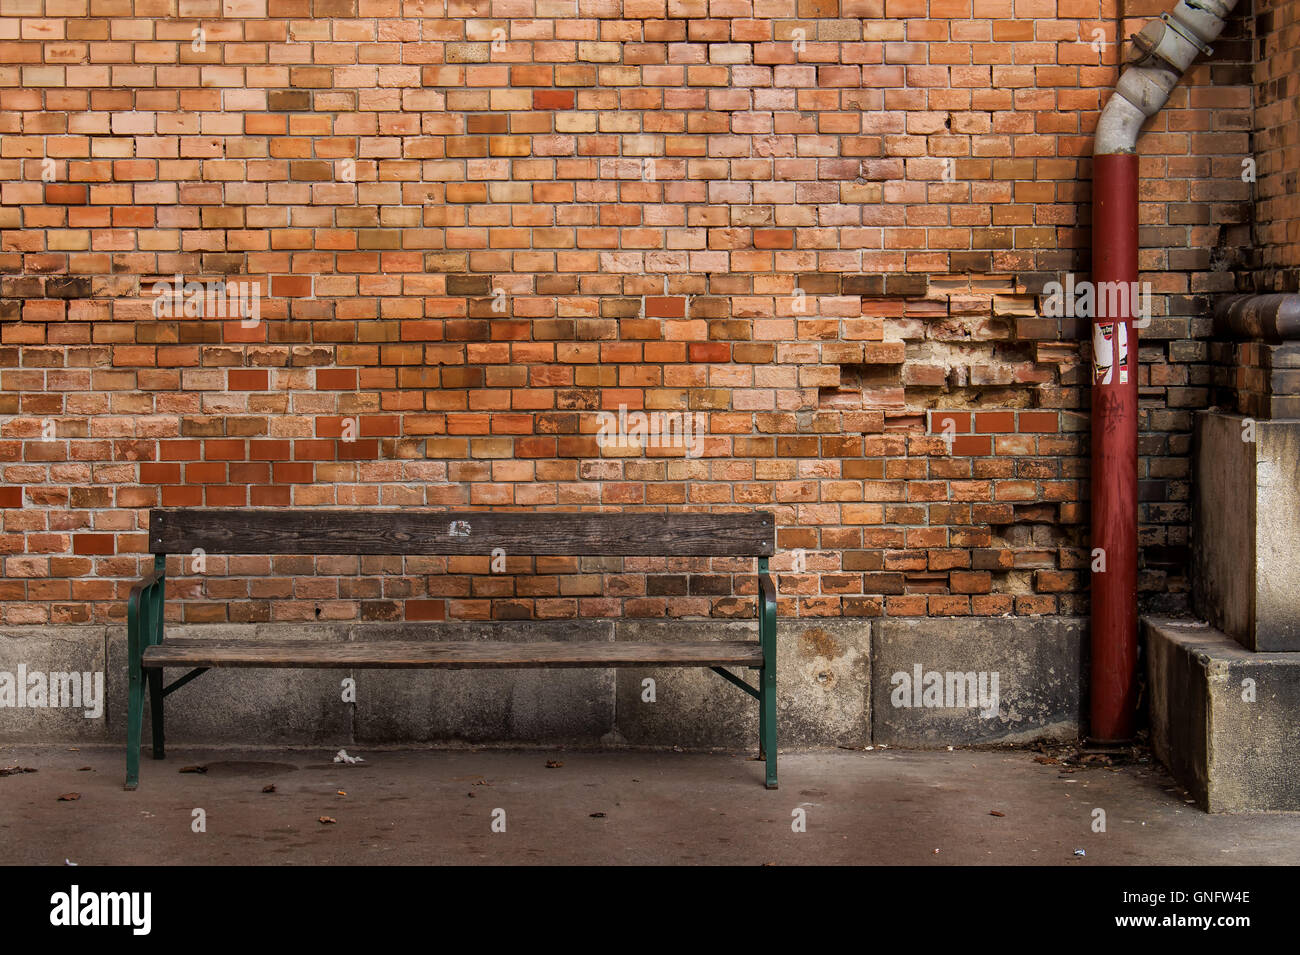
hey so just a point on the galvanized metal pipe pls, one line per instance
(1162, 52)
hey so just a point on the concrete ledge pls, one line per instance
(1037, 662)
(1246, 529)
(1223, 718)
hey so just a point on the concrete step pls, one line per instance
(1224, 720)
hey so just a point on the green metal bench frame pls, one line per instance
(145, 628)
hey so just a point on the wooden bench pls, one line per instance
(475, 533)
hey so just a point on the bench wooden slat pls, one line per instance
(477, 654)
(325, 531)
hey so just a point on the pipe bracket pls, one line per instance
(1173, 23)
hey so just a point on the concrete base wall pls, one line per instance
(1223, 718)
(1039, 665)
(57, 649)
(835, 687)
(1246, 529)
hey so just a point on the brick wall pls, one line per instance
(824, 226)
(1277, 147)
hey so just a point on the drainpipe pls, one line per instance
(1161, 53)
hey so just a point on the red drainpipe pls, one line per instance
(1114, 453)
(1160, 54)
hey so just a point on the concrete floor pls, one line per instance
(421, 807)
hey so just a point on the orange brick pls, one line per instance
(773, 238)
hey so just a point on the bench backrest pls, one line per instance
(549, 533)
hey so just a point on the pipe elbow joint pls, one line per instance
(1118, 127)
(1162, 51)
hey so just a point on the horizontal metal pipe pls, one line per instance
(1273, 317)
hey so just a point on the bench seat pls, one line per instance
(446, 654)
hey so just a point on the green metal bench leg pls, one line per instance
(767, 723)
(156, 711)
(767, 676)
(144, 628)
(134, 712)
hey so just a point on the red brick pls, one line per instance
(709, 352)
(225, 496)
(659, 307)
(248, 379)
(425, 609)
(960, 422)
(990, 422)
(336, 379)
(553, 99)
(180, 450)
(272, 495)
(294, 472)
(182, 496)
(268, 450)
(205, 472)
(1043, 422)
(972, 446)
(66, 194)
(93, 544)
(291, 285)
